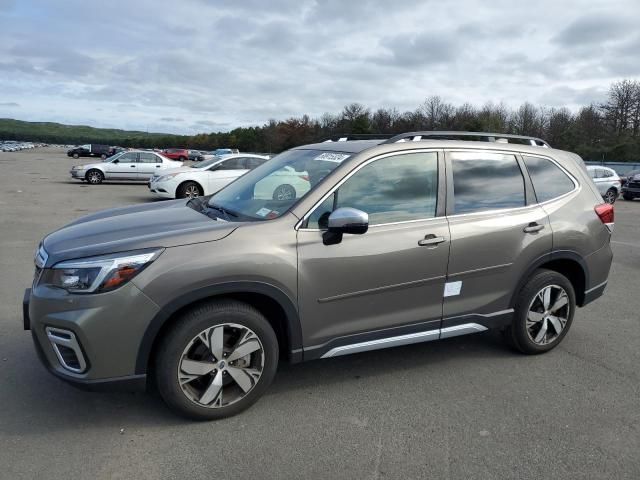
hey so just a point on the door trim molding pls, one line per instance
(396, 286)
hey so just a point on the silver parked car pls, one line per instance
(421, 237)
(132, 165)
(607, 181)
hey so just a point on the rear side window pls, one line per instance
(549, 181)
(486, 181)
(232, 164)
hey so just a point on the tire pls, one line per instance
(209, 390)
(94, 177)
(525, 332)
(76, 155)
(189, 190)
(103, 156)
(628, 197)
(182, 159)
(611, 196)
(284, 192)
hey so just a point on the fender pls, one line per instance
(292, 321)
(548, 257)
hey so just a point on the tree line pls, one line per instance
(607, 131)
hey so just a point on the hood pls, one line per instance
(161, 224)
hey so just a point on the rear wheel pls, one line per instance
(182, 159)
(189, 190)
(216, 361)
(103, 156)
(284, 192)
(76, 155)
(543, 313)
(94, 177)
(611, 196)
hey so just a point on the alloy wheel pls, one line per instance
(221, 365)
(191, 191)
(94, 177)
(610, 196)
(548, 314)
(284, 192)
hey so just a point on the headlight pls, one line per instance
(164, 178)
(98, 274)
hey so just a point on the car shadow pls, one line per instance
(66, 407)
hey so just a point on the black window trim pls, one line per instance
(576, 185)
(440, 199)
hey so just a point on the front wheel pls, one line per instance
(216, 361)
(76, 155)
(94, 177)
(543, 313)
(189, 190)
(611, 196)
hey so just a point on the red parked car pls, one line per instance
(176, 154)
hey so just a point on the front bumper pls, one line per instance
(631, 190)
(104, 330)
(162, 189)
(77, 174)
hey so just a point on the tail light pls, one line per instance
(605, 214)
(305, 177)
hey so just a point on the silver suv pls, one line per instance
(424, 236)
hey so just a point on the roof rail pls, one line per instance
(345, 137)
(469, 136)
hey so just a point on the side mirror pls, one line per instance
(345, 220)
(116, 161)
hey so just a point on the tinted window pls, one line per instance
(486, 181)
(232, 164)
(549, 181)
(129, 157)
(392, 189)
(148, 158)
(253, 162)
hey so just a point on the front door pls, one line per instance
(124, 167)
(386, 284)
(497, 231)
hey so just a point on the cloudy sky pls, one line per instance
(203, 65)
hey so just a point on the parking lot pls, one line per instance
(466, 407)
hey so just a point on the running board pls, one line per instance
(408, 339)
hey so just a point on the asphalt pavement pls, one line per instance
(462, 408)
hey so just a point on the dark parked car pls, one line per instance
(90, 150)
(176, 154)
(631, 188)
(196, 155)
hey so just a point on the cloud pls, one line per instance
(197, 65)
(9, 104)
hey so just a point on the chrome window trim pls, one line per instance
(353, 172)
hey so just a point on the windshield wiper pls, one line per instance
(227, 213)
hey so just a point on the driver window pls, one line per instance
(393, 189)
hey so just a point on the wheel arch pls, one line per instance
(273, 303)
(189, 180)
(567, 263)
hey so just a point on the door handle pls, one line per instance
(157, 166)
(430, 240)
(133, 166)
(533, 227)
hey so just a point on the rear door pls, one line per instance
(223, 173)
(497, 231)
(148, 164)
(125, 168)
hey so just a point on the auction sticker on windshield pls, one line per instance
(332, 157)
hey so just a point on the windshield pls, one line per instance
(272, 188)
(114, 157)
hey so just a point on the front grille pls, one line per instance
(633, 184)
(36, 276)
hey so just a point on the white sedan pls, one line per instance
(204, 178)
(133, 165)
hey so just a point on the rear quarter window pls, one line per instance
(549, 181)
